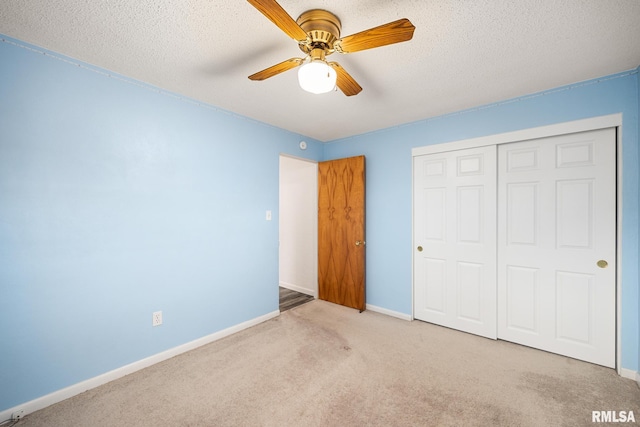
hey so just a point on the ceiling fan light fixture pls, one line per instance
(317, 77)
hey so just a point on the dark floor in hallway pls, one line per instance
(290, 299)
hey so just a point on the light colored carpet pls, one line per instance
(325, 365)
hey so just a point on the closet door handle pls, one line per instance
(419, 248)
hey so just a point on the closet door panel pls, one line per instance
(556, 244)
(455, 240)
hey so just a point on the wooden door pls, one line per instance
(557, 245)
(455, 240)
(341, 228)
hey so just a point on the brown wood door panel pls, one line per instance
(341, 225)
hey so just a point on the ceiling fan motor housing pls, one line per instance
(323, 29)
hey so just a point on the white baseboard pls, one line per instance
(388, 312)
(632, 375)
(65, 393)
(300, 289)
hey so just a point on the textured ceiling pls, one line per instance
(463, 53)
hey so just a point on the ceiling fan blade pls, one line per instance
(344, 81)
(393, 32)
(276, 14)
(276, 69)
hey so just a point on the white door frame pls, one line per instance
(593, 123)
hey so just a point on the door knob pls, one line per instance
(359, 242)
(419, 248)
(602, 263)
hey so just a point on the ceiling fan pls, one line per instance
(317, 32)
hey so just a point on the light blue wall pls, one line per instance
(117, 200)
(638, 189)
(389, 181)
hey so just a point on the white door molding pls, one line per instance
(601, 122)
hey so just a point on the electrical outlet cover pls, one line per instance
(157, 318)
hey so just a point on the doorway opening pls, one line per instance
(298, 229)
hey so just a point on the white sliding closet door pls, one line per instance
(556, 244)
(455, 239)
